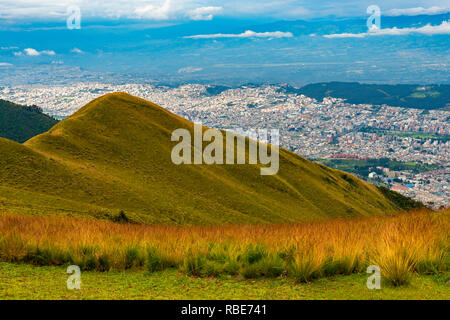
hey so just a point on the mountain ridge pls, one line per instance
(114, 154)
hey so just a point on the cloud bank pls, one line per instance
(56, 10)
(417, 11)
(246, 34)
(443, 28)
(152, 9)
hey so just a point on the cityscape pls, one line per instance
(329, 131)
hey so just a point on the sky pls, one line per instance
(225, 41)
(183, 10)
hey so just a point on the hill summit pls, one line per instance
(115, 154)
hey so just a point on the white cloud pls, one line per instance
(189, 70)
(246, 34)
(417, 11)
(34, 53)
(162, 11)
(172, 9)
(443, 28)
(204, 13)
(5, 64)
(76, 50)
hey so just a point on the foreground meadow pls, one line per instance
(24, 281)
(401, 246)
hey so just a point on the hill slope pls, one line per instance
(402, 95)
(115, 154)
(20, 123)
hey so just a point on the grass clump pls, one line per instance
(306, 267)
(194, 264)
(104, 263)
(253, 254)
(133, 257)
(12, 248)
(396, 266)
(271, 266)
(156, 261)
(85, 258)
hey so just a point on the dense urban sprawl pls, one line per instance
(314, 129)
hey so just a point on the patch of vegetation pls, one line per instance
(401, 95)
(216, 90)
(20, 123)
(362, 167)
(403, 202)
(121, 217)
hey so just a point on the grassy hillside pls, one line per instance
(20, 123)
(115, 154)
(402, 95)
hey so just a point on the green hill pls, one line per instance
(115, 154)
(401, 95)
(20, 123)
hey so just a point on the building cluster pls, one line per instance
(314, 129)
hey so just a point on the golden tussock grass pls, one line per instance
(399, 245)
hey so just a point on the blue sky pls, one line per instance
(228, 42)
(182, 10)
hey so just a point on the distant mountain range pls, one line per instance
(20, 123)
(126, 50)
(115, 154)
(401, 95)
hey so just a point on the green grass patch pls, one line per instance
(31, 282)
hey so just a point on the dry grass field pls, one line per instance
(416, 242)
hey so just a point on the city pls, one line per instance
(318, 130)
